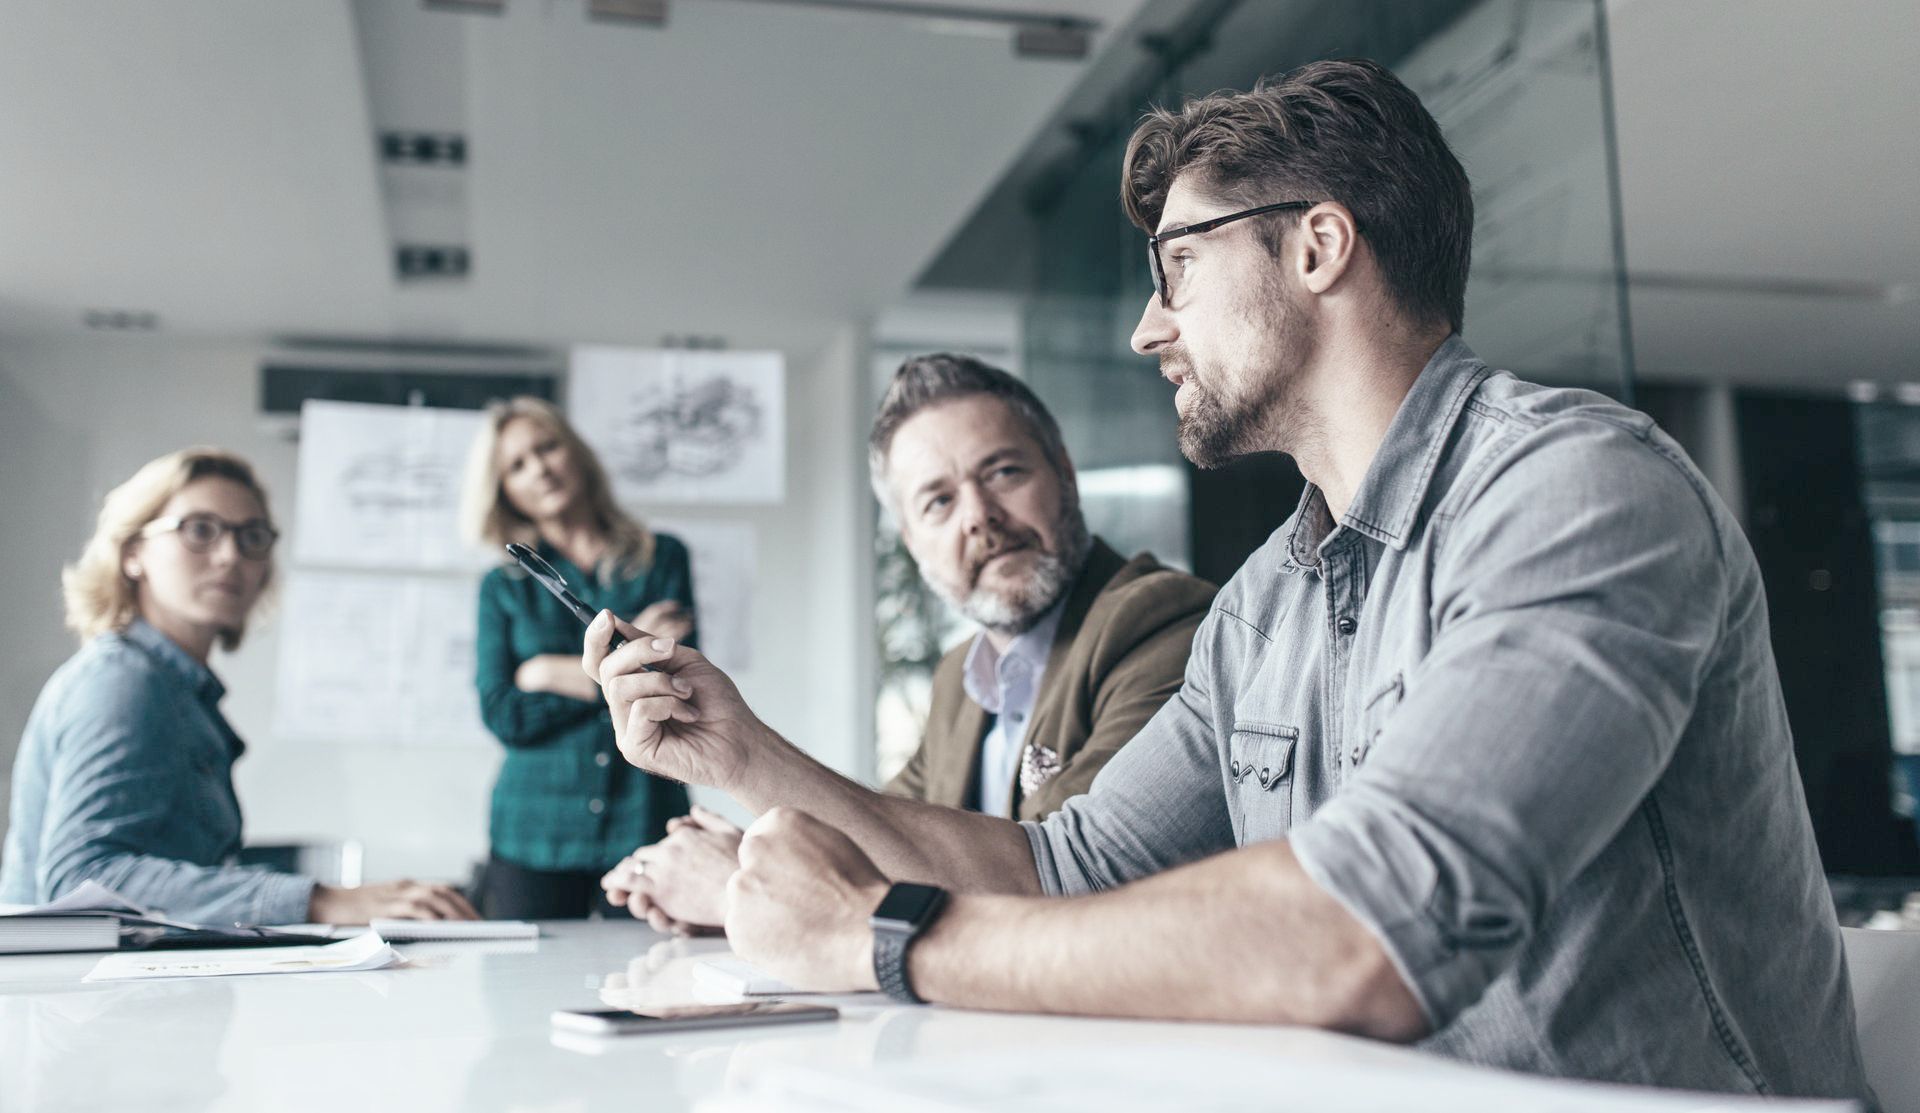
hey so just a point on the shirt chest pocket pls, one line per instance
(1260, 779)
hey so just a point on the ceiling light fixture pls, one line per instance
(1035, 34)
(647, 13)
(121, 320)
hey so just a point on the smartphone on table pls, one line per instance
(630, 1022)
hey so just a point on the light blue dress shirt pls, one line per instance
(125, 777)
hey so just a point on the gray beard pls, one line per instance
(1017, 612)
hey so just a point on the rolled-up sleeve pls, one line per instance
(1578, 590)
(1156, 805)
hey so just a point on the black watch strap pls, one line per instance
(890, 966)
(905, 912)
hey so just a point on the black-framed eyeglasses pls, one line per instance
(1160, 283)
(200, 532)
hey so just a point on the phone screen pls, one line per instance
(684, 1017)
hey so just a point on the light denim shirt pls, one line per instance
(1518, 713)
(1006, 685)
(125, 777)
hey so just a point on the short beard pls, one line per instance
(1053, 574)
(1268, 415)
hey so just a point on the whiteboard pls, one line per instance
(379, 487)
(722, 554)
(683, 426)
(379, 658)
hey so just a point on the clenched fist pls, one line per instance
(798, 905)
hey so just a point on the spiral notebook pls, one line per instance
(453, 931)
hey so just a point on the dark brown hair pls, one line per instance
(1345, 131)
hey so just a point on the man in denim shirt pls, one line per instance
(1484, 748)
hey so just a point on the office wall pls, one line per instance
(78, 415)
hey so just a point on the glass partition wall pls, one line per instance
(1521, 89)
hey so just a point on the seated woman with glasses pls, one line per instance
(124, 775)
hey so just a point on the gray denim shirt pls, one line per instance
(125, 777)
(1518, 713)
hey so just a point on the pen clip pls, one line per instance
(550, 578)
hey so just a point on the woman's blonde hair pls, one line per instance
(488, 517)
(100, 597)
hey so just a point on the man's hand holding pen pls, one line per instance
(674, 713)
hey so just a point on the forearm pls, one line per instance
(556, 674)
(908, 839)
(1244, 936)
(218, 895)
(520, 718)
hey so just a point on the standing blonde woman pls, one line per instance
(125, 773)
(566, 807)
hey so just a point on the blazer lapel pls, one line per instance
(1051, 704)
(953, 768)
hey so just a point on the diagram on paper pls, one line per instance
(683, 426)
(722, 556)
(379, 487)
(378, 658)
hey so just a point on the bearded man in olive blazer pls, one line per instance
(1078, 647)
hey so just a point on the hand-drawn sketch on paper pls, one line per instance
(722, 556)
(683, 426)
(378, 658)
(379, 487)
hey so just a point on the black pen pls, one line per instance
(551, 580)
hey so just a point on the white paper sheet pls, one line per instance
(88, 896)
(381, 658)
(362, 952)
(379, 487)
(683, 426)
(726, 974)
(441, 931)
(722, 554)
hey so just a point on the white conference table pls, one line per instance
(464, 1026)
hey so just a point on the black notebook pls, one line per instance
(95, 918)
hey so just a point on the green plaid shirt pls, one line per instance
(565, 799)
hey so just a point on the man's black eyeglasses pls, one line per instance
(1154, 241)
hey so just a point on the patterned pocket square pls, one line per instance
(1037, 766)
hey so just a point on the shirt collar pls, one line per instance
(168, 654)
(985, 666)
(1395, 486)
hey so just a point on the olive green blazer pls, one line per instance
(1120, 652)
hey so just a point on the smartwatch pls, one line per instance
(905, 912)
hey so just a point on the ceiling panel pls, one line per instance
(756, 171)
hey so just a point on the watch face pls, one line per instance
(907, 904)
